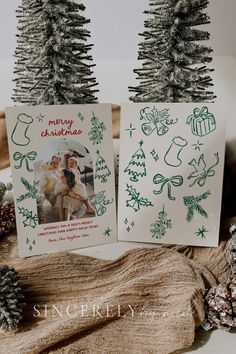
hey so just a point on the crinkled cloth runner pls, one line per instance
(146, 301)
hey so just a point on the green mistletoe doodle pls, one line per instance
(30, 219)
(136, 201)
(31, 191)
(101, 203)
(159, 227)
(157, 121)
(201, 173)
(96, 132)
(192, 203)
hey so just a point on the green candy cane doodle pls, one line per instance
(175, 181)
(19, 134)
(18, 156)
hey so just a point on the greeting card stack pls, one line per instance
(170, 175)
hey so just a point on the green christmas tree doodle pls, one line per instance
(201, 173)
(192, 203)
(102, 171)
(30, 219)
(136, 201)
(136, 167)
(101, 203)
(31, 191)
(159, 227)
(96, 132)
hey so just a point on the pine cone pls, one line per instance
(220, 305)
(7, 217)
(3, 189)
(231, 249)
(11, 298)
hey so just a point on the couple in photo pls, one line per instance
(70, 194)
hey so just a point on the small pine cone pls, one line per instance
(7, 217)
(220, 305)
(11, 298)
(3, 189)
(231, 249)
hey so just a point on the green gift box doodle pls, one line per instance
(202, 122)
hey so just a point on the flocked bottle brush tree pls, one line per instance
(53, 64)
(175, 60)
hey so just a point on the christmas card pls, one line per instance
(171, 173)
(63, 176)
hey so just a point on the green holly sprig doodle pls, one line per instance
(31, 191)
(156, 121)
(96, 132)
(135, 202)
(192, 204)
(31, 219)
(101, 202)
(159, 227)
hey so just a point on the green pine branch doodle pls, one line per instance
(31, 191)
(192, 204)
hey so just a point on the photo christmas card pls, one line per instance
(63, 176)
(171, 173)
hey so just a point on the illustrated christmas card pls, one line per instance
(63, 176)
(171, 173)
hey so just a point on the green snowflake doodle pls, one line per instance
(159, 227)
(96, 132)
(201, 232)
(107, 232)
(30, 219)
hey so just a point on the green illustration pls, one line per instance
(174, 181)
(201, 172)
(19, 134)
(96, 132)
(81, 117)
(101, 203)
(156, 121)
(154, 155)
(30, 156)
(192, 204)
(107, 232)
(136, 167)
(31, 191)
(202, 122)
(172, 156)
(102, 171)
(131, 129)
(159, 227)
(198, 145)
(201, 232)
(30, 219)
(136, 201)
(30, 244)
(40, 118)
(131, 225)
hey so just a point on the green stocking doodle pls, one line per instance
(19, 133)
(172, 156)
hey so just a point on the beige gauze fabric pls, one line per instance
(146, 301)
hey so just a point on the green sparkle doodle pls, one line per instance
(175, 181)
(201, 173)
(31, 191)
(101, 203)
(131, 225)
(201, 232)
(157, 121)
(30, 219)
(159, 227)
(102, 171)
(131, 129)
(107, 232)
(19, 134)
(30, 156)
(96, 132)
(154, 155)
(136, 167)
(192, 203)
(136, 201)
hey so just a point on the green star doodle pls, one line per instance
(159, 227)
(130, 130)
(30, 219)
(156, 121)
(40, 118)
(137, 167)
(198, 145)
(96, 132)
(101, 203)
(107, 232)
(19, 134)
(31, 191)
(128, 229)
(192, 203)
(136, 201)
(201, 232)
(102, 171)
(33, 243)
(81, 117)
(175, 181)
(201, 121)
(126, 221)
(201, 173)
(154, 155)
(30, 156)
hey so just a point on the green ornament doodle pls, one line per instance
(19, 134)
(175, 181)
(30, 156)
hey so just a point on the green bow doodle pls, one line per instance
(18, 156)
(202, 121)
(175, 181)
